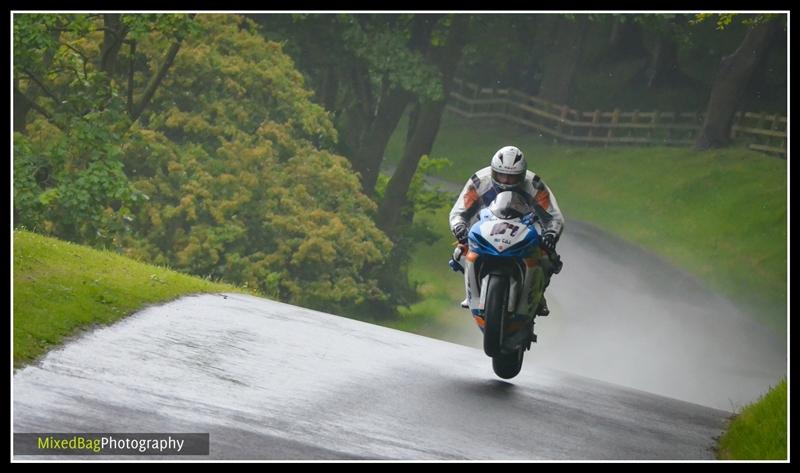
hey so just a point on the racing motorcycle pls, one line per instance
(506, 273)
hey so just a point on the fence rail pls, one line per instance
(759, 131)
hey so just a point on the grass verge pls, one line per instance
(61, 288)
(759, 432)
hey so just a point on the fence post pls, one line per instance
(474, 98)
(614, 121)
(634, 120)
(737, 121)
(563, 116)
(773, 127)
(671, 130)
(595, 121)
(775, 119)
(653, 126)
(762, 123)
(693, 121)
(762, 120)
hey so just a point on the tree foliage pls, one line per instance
(228, 173)
(366, 69)
(724, 20)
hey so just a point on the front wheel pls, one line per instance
(494, 314)
(508, 365)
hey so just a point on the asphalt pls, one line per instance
(273, 381)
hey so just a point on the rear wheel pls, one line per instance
(494, 314)
(508, 365)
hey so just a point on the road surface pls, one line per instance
(273, 381)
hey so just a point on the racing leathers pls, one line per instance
(480, 191)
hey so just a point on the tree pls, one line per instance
(423, 127)
(626, 39)
(505, 50)
(366, 69)
(226, 171)
(663, 68)
(562, 62)
(64, 54)
(733, 76)
(242, 182)
(393, 100)
(69, 180)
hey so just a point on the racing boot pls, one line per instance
(542, 310)
(465, 303)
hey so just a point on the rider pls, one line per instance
(508, 172)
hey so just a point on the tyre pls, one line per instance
(494, 314)
(508, 365)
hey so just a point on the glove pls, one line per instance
(529, 219)
(549, 242)
(460, 231)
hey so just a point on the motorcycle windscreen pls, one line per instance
(508, 205)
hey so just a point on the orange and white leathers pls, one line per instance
(478, 193)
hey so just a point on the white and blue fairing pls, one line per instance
(503, 229)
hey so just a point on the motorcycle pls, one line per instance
(506, 273)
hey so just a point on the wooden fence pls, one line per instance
(760, 132)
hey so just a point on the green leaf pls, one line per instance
(48, 196)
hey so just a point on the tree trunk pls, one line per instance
(732, 79)
(546, 31)
(136, 110)
(368, 155)
(25, 103)
(663, 69)
(330, 88)
(113, 35)
(625, 40)
(421, 143)
(353, 125)
(563, 60)
(22, 106)
(368, 158)
(355, 119)
(426, 121)
(155, 81)
(761, 89)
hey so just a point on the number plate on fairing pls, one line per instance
(503, 234)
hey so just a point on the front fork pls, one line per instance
(527, 297)
(532, 288)
(466, 260)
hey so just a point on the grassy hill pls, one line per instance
(759, 431)
(61, 288)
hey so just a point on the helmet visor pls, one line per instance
(507, 179)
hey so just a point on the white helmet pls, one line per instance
(508, 168)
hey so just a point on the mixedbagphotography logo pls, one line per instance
(111, 444)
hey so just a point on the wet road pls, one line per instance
(273, 381)
(623, 315)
